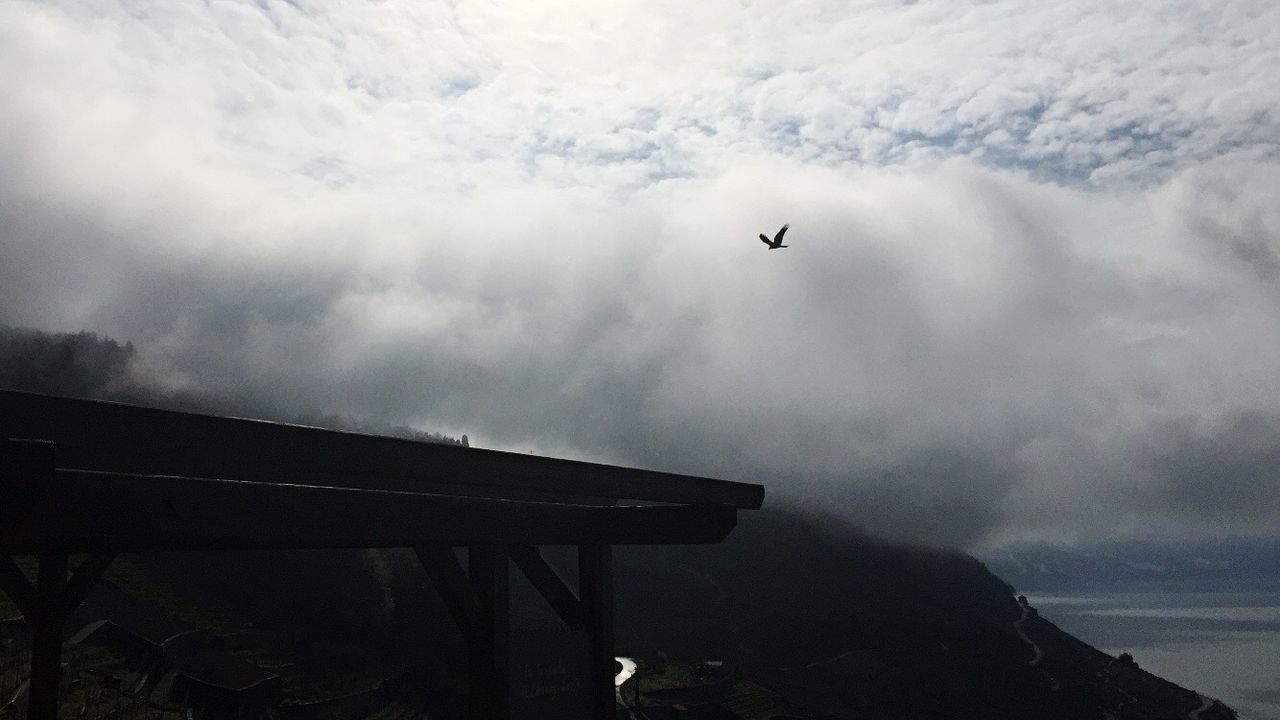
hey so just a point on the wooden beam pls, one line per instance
(95, 435)
(595, 586)
(549, 583)
(81, 511)
(489, 666)
(451, 582)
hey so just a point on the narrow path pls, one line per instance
(831, 659)
(1205, 704)
(1129, 698)
(817, 663)
(1017, 625)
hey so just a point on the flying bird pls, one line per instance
(777, 239)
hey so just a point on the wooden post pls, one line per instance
(595, 588)
(46, 638)
(489, 666)
(26, 468)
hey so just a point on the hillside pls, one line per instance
(854, 628)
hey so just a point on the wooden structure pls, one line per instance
(81, 477)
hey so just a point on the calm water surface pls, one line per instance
(1223, 645)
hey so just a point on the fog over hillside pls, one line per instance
(1032, 290)
(1239, 565)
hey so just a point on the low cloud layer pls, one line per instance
(1033, 286)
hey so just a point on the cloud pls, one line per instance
(1032, 286)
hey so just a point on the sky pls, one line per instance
(1033, 288)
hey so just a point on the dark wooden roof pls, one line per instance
(91, 475)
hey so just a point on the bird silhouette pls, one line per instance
(777, 239)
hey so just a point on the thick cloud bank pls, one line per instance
(1034, 285)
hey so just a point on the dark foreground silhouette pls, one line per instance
(806, 616)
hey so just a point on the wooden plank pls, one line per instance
(97, 435)
(451, 582)
(595, 586)
(489, 666)
(46, 638)
(549, 583)
(81, 511)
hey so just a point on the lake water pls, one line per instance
(1222, 645)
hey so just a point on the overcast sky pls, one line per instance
(1033, 288)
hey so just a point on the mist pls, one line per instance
(964, 344)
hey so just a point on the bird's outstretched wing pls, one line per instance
(764, 239)
(777, 239)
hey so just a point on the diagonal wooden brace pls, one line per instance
(549, 583)
(451, 581)
(82, 580)
(19, 589)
